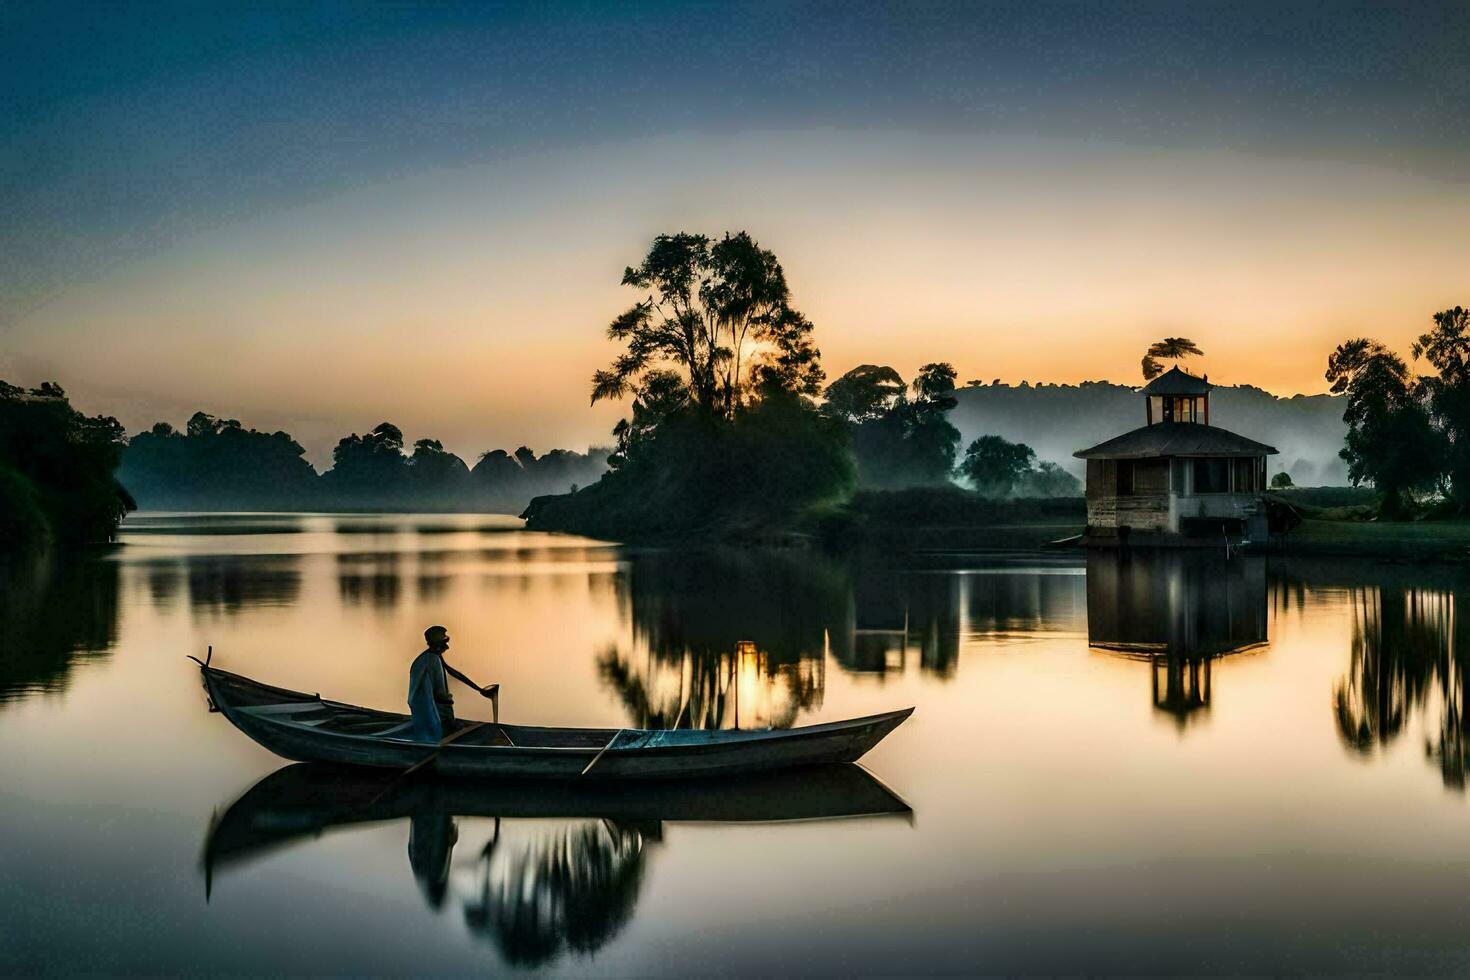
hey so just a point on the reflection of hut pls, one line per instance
(1179, 611)
(1176, 480)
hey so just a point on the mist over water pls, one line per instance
(1245, 765)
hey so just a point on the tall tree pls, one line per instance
(1447, 348)
(1390, 442)
(930, 437)
(712, 308)
(1170, 349)
(865, 393)
(993, 465)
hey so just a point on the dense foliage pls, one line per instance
(1170, 349)
(993, 465)
(717, 315)
(56, 470)
(1447, 395)
(219, 461)
(723, 435)
(1390, 441)
(898, 440)
(697, 473)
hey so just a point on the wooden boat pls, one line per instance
(305, 800)
(306, 728)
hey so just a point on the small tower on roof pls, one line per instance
(1177, 479)
(1178, 396)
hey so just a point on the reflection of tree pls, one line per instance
(53, 611)
(709, 626)
(369, 577)
(1400, 636)
(1407, 658)
(702, 691)
(572, 889)
(230, 583)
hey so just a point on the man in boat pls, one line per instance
(429, 699)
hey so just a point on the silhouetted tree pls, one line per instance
(436, 476)
(1048, 480)
(1447, 349)
(708, 300)
(56, 470)
(369, 467)
(898, 441)
(1281, 480)
(716, 438)
(1389, 441)
(929, 437)
(993, 465)
(1170, 348)
(864, 394)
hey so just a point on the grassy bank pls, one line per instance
(944, 519)
(1428, 540)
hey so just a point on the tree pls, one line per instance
(1281, 480)
(929, 436)
(370, 467)
(1048, 480)
(1170, 348)
(435, 476)
(1390, 442)
(1447, 349)
(707, 301)
(56, 470)
(865, 393)
(993, 465)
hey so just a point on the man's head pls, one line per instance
(437, 637)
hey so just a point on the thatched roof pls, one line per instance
(1177, 382)
(1176, 439)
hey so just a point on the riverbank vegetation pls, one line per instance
(1409, 436)
(726, 436)
(218, 464)
(56, 471)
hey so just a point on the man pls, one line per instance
(429, 699)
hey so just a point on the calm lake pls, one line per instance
(1164, 764)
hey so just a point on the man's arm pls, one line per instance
(450, 670)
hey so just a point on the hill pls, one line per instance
(1058, 420)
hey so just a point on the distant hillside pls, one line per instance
(1058, 420)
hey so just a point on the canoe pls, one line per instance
(305, 800)
(306, 728)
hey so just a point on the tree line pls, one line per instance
(1409, 435)
(218, 464)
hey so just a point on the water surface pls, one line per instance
(1150, 765)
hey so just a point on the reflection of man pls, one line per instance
(429, 700)
(431, 838)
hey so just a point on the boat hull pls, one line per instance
(304, 728)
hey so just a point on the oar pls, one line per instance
(443, 742)
(598, 756)
(427, 759)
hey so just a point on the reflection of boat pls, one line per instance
(306, 728)
(569, 878)
(304, 800)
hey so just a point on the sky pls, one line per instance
(319, 217)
